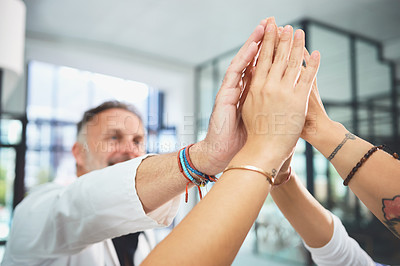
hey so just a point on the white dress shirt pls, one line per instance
(73, 225)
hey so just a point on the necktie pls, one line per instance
(126, 246)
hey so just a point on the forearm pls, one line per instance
(159, 180)
(375, 180)
(307, 216)
(219, 223)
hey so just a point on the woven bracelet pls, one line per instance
(363, 160)
(187, 168)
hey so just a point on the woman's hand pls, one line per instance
(275, 108)
(316, 118)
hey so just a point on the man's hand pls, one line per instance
(226, 133)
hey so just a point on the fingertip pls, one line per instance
(252, 44)
(315, 55)
(251, 51)
(287, 28)
(299, 34)
(259, 32)
(271, 27)
(263, 22)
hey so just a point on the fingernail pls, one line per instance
(287, 28)
(298, 34)
(315, 55)
(270, 27)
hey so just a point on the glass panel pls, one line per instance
(206, 94)
(112, 88)
(373, 77)
(334, 73)
(383, 123)
(38, 168)
(275, 237)
(167, 140)
(342, 114)
(320, 179)
(365, 117)
(41, 82)
(58, 96)
(64, 167)
(65, 136)
(72, 94)
(45, 130)
(7, 176)
(11, 131)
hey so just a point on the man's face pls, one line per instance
(112, 136)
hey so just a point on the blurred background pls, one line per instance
(60, 58)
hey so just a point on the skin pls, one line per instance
(241, 193)
(376, 182)
(159, 175)
(307, 216)
(112, 136)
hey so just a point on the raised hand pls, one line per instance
(316, 114)
(275, 108)
(226, 133)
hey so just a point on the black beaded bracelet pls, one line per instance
(362, 161)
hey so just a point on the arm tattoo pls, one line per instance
(347, 136)
(391, 214)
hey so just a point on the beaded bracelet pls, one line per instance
(191, 167)
(186, 167)
(363, 160)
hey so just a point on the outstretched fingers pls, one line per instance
(266, 55)
(243, 58)
(308, 74)
(282, 54)
(295, 60)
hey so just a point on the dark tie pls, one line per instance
(126, 247)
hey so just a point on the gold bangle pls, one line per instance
(270, 178)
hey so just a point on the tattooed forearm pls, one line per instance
(391, 214)
(347, 136)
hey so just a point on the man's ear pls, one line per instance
(79, 153)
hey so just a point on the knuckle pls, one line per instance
(280, 57)
(233, 69)
(306, 78)
(294, 63)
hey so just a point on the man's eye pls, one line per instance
(114, 137)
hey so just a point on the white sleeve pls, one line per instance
(102, 204)
(340, 250)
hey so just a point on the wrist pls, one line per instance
(327, 136)
(266, 158)
(199, 154)
(283, 187)
(283, 177)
